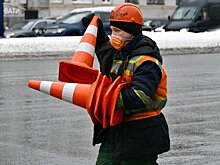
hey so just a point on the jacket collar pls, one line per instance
(130, 47)
(140, 45)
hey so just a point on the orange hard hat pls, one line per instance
(127, 12)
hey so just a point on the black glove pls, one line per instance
(99, 134)
(101, 36)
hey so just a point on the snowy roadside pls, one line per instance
(63, 47)
(38, 47)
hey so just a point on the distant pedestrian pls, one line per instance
(6, 27)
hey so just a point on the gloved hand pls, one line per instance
(101, 36)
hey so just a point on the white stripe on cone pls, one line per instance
(92, 29)
(45, 86)
(68, 90)
(86, 47)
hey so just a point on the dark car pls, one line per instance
(195, 16)
(152, 24)
(28, 28)
(71, 24)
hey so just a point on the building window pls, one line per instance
(155, 2)
(56, 1)
(106, 1)
(45, 3)
(178, 2)
(133, 1)
(82, 1)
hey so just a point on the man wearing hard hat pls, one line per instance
(143, 134)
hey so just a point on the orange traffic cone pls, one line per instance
(110, 116)
(79, 69)
(116, 115)
(98, 111)
(99, 98)
(79, 94)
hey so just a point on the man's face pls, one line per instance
(119, 38)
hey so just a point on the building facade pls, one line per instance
(13, 13)
(57, 8)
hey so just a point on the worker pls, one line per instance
(143, 134)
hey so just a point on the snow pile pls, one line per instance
(170, 40)
(37, 44)
(173, 42)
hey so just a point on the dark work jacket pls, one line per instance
(143, 137)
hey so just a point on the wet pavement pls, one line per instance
(37, 129)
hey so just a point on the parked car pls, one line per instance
(71, 24)
(217, 28)
(28, 28)
(195, 16)
(152, 24)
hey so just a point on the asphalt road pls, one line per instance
(37, 129)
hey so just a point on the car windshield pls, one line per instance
(73, 17)
(185, 13)
(25, 25)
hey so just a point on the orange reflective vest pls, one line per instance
(153, 106)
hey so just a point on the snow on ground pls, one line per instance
(169, 40)
(54, 46)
